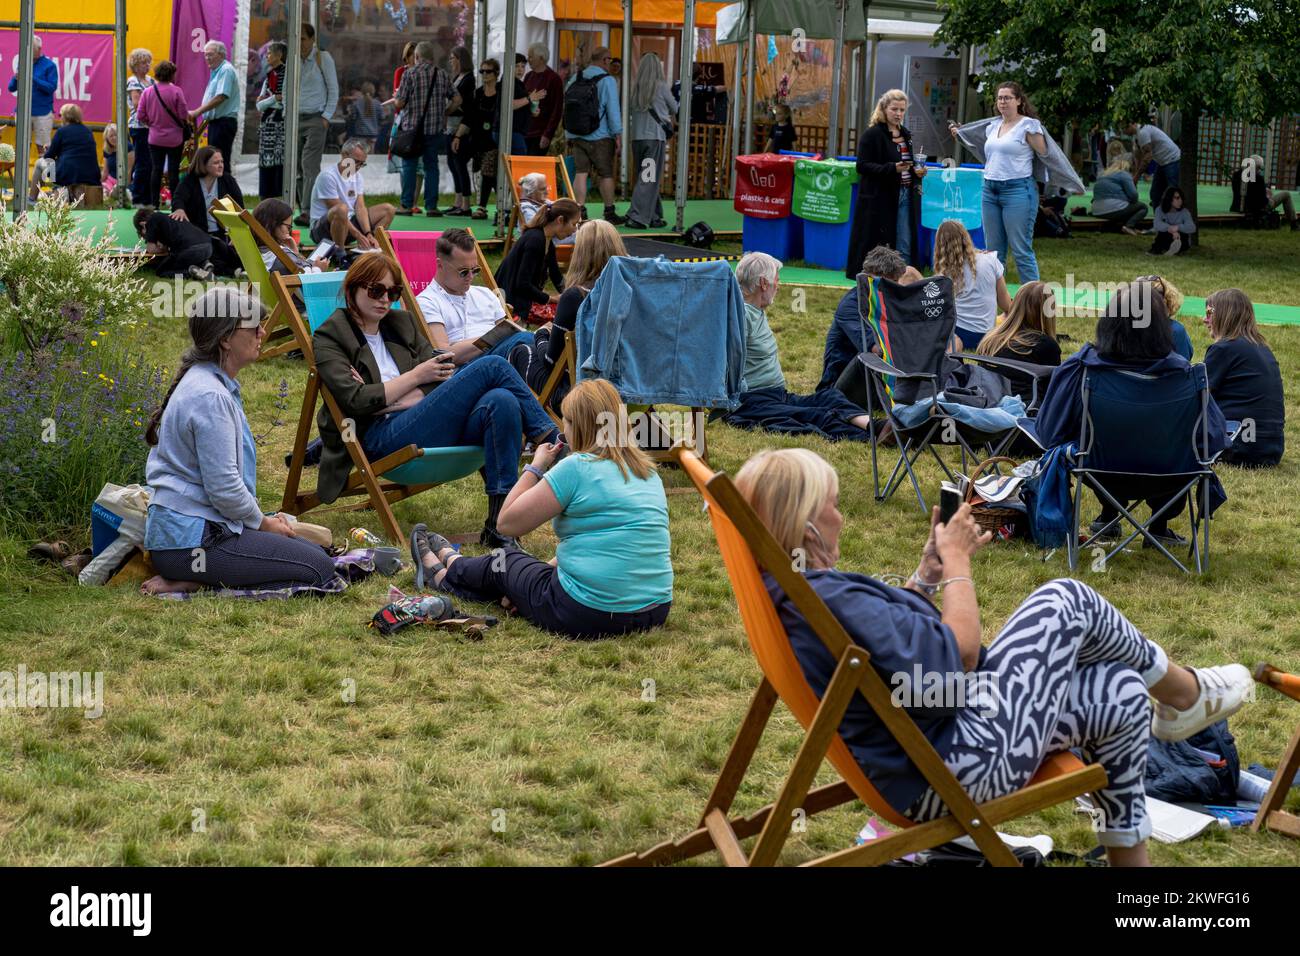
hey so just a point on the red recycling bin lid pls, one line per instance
(764, 184)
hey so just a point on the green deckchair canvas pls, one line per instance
(248, 236)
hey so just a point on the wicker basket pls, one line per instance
(990, 517)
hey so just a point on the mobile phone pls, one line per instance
(949, 501)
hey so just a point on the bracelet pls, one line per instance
(946, 581)
(534, 470)
(929, 588)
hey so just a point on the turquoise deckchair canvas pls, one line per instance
(402, 474)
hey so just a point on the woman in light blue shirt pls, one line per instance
(612, 572)
(205, 526)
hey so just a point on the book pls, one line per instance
(498, 334)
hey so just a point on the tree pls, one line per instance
(1113, 61)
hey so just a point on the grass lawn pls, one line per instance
(236, 709)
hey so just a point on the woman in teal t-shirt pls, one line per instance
(612, 572)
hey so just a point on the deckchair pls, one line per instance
(247, 235)
(912, 367)
(1271, 815)
(747, 547)
(417, 254)
(556, 173)
(405, 472)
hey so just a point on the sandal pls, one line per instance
(479, 213)
(52, 551)
(419, 549)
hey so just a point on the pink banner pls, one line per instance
(85, 62)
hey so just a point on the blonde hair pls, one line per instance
(953, 252)
(787, 488)
(1121, 163)
(595, 244)
(878, 114)
(589, 410)
(70, 113)
(1169, 292)
(1233, 316)
(1029, 313)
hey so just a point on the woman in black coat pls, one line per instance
(889, 178)
(207, 180)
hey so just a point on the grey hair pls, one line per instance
(353, 146)
(37, 41)
(218, 46)
(540, 50)
(138, 55)
(755, 268)
(425, 50)
(649, 74)
(532, 183)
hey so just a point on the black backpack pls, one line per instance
(582, 105)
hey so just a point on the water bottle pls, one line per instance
(433, 607)
(364, 538)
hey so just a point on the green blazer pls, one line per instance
(340, 347)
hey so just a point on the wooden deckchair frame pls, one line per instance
(561, 176)
(1271, 816)
(275, 341)
(408, 291)
(718, 830)
(365, 478)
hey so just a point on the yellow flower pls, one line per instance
(93, 342)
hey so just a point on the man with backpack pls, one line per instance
(593, 127)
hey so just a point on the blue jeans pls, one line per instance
(903, 232)
(1010, 208)
(434, 147)
(485, 403)
(1162, 179)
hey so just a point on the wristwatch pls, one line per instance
(534, 470)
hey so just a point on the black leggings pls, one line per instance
(158, 155)
(253, 559)
(534, 588)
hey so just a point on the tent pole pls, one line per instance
(480, 31)
(292, 75)
(871, 74)
(123, 133)
(23, 117)
(735, 112)
(684, 110)
(313, 17)
(837, 76)
(864, 84)
(628, 76)
(963, 81)
(855, 100)
(506, 94)
(750, 65)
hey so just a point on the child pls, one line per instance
(782, 135)
(1173, 225)
(109, 169)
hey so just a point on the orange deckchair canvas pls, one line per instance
(557, 185)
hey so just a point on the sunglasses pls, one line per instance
(377, 291)
(487, 72)
(469, 273)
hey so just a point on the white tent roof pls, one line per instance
(817, 18)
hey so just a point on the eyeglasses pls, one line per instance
(377, 291)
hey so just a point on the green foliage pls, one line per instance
(51, 273)
(1111, 60)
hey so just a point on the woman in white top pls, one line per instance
(977, 282)
(1010, 192)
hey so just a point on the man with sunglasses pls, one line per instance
(338, 203)
(457, 310)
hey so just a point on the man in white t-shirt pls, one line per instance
(338, 202)
(459, 312)
(1152, 143)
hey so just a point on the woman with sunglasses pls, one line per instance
(381, 369)
(481, 124)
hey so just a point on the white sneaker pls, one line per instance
(1224, 690)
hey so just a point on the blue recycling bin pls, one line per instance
(825, 244)
(782, 238)
(956, 194)
(763, 185)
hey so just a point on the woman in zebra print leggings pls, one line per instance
(1067, 670)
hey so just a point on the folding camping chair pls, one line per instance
(247, 235)
(556, 173)
(1152, 430)
(1271, 815)
(405, 472)
(911, 368)
(747, 549)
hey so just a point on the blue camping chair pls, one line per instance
(405, 472)
(1152, 430)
